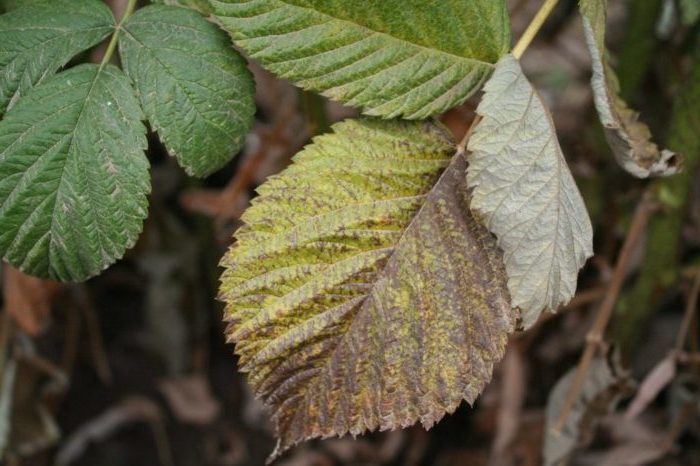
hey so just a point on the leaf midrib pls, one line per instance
(151, 51)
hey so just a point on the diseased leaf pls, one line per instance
(605, 384)
(629, 139)
(361, 292)
(526, 195)
(194, 87)
(392, 58)
(39, 38)
(73, 174)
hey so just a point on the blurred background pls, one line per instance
(131, 368)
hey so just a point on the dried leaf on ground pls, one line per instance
(652, 385)
(27, 299)
(191, 399)
(605, 384)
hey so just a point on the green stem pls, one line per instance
(115, 35)
(637, 49)
(660, 269)
(533, 28)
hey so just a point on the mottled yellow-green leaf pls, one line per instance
(361, 292)
(526, 195)
(629, 139)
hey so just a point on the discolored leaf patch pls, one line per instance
(361, 293)
(526, 195)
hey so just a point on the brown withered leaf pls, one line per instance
(27, 299)
(629, 138)
(361, 292)
(605, 384)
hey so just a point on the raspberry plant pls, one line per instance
(376, 280)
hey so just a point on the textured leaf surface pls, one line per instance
(407, 58)
(629, 139)
(194, 87)
(38, 39)
(361, 293)
(526, 194)
(202, 6)
(73, 174)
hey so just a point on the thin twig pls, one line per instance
(533, 28)
(679, 423)
(595, 336)
(99, 356)
(690, 308)
(115, 35)
(462, 146)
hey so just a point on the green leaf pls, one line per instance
(194, 87)
(203, 6)
(38, 39)
(392, 58)
(629, 139)
(73, 174)
(361, 292)
(526, 195)
(690, 11)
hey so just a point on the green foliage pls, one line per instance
(355, 260)
(203, 6)
(194, 88)
(526, 195)
(375, 281)
(39, 39)
(73, 177)
(690, 11)
(73, 173)
(392, 58)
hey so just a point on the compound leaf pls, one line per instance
(629, 139)
(73, 174)
(361, 292)
(194, 87)
(39, 38)
(526, 195)
(407, 58)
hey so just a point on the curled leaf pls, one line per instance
(629, 139)
(526, 195)
(362, 294)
